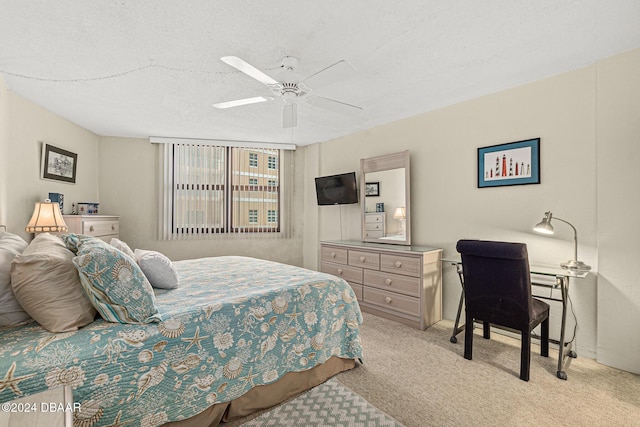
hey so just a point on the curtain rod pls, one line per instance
(227, 143)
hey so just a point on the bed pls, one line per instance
(238, 334)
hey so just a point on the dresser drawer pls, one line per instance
(364, 259)
(374, 233)
(393, 282)
(333, 254)
(375, 218)
(400, 264)
(357, 289)
(100, 228)
(374, 226)
(350, 274)
(390, 300)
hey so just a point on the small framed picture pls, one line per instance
(515, 163)
(58, 164)
(372, 189)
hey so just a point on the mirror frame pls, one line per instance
(383, 163)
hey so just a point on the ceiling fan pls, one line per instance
(293, 88)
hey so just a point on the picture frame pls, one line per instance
(372, 189)
(513, 163)
(58, 164)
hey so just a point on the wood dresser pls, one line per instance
(104, 227)
(402, 283)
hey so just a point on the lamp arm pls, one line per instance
(575, 237)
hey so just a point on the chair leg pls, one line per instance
(544, 338)
(486, 330)
(468, 338)
(525, 355)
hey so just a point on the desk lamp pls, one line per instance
(46, 218)
(545, 227)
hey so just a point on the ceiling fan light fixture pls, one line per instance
(245, 101)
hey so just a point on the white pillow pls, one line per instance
(11, 313)
(158, 268)
(123, 247)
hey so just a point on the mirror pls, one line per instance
(384, 189)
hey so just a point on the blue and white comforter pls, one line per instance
(234, 323)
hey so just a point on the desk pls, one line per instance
(562, 277)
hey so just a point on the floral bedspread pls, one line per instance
(234, 323)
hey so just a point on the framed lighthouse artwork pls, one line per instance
(515, 163)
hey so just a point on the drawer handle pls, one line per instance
(91, 228)
(113, 227)
(388, 281)
(333, 254)
(388, 300)
(398, 264)
(340, 271)
(362, 259)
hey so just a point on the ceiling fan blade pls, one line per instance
(239, 102)
(249, 70)
(333, 105)
(333, 73)
(289, 115)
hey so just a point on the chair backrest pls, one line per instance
(497, 282)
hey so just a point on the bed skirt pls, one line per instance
(265, 396)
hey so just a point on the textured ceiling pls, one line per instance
(152, 68)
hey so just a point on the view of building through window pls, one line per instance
(226, 189)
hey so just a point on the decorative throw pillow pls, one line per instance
(73, 241)
(119, 244)
(116, 286)
(158, 268)
(46, 284)
(10, 311)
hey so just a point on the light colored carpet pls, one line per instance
(421, 379)
(329, 404)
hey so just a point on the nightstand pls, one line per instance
(104, 227)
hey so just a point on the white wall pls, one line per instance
(27, 126)
(565, 112)
(618, 130)
(129, 188)
(4, 150)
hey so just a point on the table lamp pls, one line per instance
(46, 218)
(401, 215)
(545, 227)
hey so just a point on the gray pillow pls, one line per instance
(47, 285)
(11, 313)
(158, 269)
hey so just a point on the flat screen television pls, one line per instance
(337, 189)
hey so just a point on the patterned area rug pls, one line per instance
(329, 404)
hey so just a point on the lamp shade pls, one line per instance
(46, 218)
(399, 213)
(545, 226)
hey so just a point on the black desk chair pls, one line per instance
(497, 289)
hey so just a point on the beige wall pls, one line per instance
(569, 113)
(128, 187)
(27, 126)
(4, 151)
(618, 135)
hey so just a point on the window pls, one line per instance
(272, 162)
(272, 216)
(253, 160)
(253, 216)
(223, 190)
